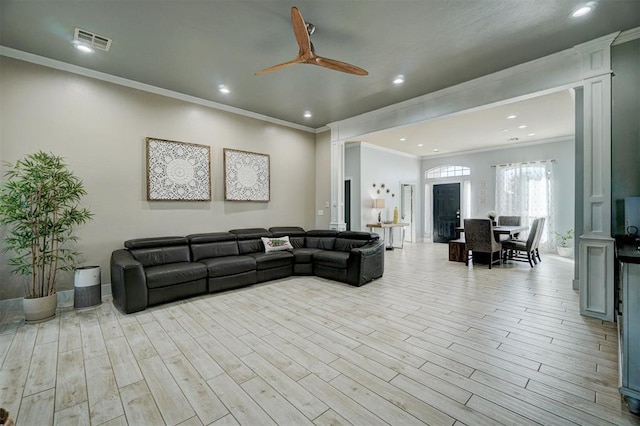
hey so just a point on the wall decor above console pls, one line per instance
(246, 176)
(178, 171)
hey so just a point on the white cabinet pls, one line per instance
(629, 328)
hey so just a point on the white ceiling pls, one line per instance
(547, 117)
(192, 46)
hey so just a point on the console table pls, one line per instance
(389, 226)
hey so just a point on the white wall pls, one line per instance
(563, 152)
(380, 166)
(100, 129)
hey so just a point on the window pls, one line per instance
(448, 171)
(526, 190)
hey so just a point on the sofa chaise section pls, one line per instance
(154, 270)
(354, 257)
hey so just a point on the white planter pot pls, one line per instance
(565, 251)
(40, 308)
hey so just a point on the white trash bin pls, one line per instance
(87, 290)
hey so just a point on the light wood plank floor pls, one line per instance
(433, 342)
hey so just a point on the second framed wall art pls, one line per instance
(246, 176)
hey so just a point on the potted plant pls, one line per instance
(564, 243)
(39, 204)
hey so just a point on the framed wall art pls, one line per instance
(178, 171)
(246, 176)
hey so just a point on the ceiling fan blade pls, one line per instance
(297, 60)
(338, 66)
(300, 31)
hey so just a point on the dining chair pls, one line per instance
(539, 237)
(523, 251)
(479, 238)
(509, 221)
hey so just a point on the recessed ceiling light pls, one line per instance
(307, 114)
(83, 47)
(511, 117)
(531, 134)
(436, 150)
(420, 144)
(505, 130)
(522, 126)
(583, 10)
(403, 139)
(223, 89)
(399, 79)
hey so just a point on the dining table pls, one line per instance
(510, 230)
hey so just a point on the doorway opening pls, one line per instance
(408, 210)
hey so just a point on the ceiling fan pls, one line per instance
(307, 54)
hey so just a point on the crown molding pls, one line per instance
(626, 36)
(86, 72)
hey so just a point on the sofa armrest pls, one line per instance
(128, 282)
(366, 263)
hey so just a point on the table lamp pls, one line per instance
(378, 203)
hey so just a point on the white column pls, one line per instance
(337, 183)
(596, 279)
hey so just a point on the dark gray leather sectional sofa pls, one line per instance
(149, 271)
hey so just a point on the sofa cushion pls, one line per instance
(320, 238)
(229, 265)
(249, 239)
(154, 256)
(334, 259)
(345, 241)
(174, 273)
(272, 260)
(276, 244)
(214, 244)
(304, 255)
(295, 233)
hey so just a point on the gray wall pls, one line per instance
(482, 172)
(100, 129)
(625, 128)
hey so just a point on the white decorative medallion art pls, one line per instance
(246, 176)
(178, 171)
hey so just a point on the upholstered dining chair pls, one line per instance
(509, 221)
(479, 238)
(539, 232)
(524, 251)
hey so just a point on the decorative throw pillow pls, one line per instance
(276, 244)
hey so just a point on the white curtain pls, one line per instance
(526, 190)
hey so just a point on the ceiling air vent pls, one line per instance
(513, 140)
(92, 39)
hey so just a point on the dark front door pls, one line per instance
(446, 211)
